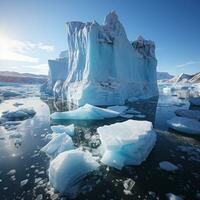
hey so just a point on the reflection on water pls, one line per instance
(151, 182)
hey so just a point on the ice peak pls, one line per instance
(111, 18)
(140, 38)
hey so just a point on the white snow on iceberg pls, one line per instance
(86, 112)
(68, 169)
(61, 129)
(126, 143)
(185, 125)
(101, 66)
(58, 144)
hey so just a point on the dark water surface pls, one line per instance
(22, 155)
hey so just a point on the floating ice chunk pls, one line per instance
(86, 112)
(12, 172)
(128, 116)
(195, 101)
(20, 114)
(171, 196)
(193, 114)
(132, 99)
(120, 109)
(128, 185)
(61, 142)
(61, 128)
(185, 125)
(140, 116)
(167, 166)
(8, 94)
(126, 143)
(133, 111)
(24, 182)
(17, 104)
(68, 169)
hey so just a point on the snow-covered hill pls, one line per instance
(164, 76)
(26, 78)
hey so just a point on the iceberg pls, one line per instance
(68, 169)
(63, 129)
(126, 143)
(58, 144)
(193, 114)
(86, 112)
(101, 66)
(185, 125)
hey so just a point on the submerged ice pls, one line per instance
(101, 66)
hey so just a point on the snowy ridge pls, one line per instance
(102, 67)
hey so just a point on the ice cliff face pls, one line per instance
(102, 67)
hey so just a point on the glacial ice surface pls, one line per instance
(68, 169)
(185, 125)
(101, 66)
(58, 144)
(61, 129)
(86, 112)
(126, 143)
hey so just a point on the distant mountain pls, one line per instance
(185, 78)
(26, 78)
(163, 76)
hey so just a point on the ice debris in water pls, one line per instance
(195, 101)
(193, 114)
(86, 112)
(61, 128)
(24, 182)
(58, 144)
(68, 169)
(12, 172)
(19, 114)
(171, 196)
(126, 143)
(128, 185)
(167, 166)
(185, 125)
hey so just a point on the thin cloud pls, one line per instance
(187, 64)
(16, 50)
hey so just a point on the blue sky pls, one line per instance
(32, 31)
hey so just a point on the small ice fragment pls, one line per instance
(128, 184)
(12, 172)
(61, 129)
(24, 182)
(167, 166)
(171, 196)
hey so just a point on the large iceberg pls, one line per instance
(101, 66)
(126, 143)
(68, 169)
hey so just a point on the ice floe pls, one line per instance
(126, 143)
(185, 125)
(195, 101)
(58, 144)
(68, 169)
(61, 128)
(193, 114)
(86, 112)
(19, 114)
(167, 166)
